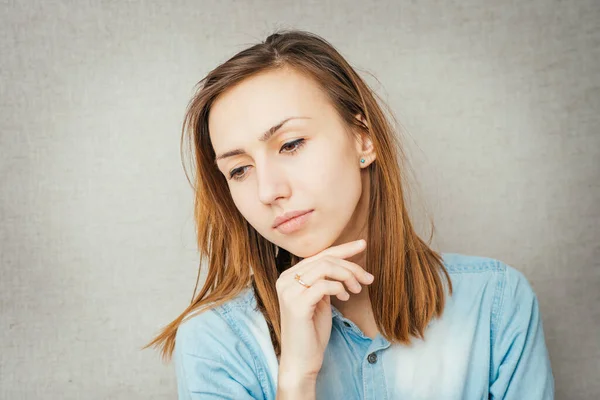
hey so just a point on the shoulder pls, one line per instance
(504, 288)
(213, 325)
(485, 269)
(216, 353)
(234, 332)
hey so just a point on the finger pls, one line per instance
(330, 268)
(321, 288)
(359, 272)
(344, 250)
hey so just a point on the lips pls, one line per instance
(287, 216)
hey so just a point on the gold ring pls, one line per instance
(300, 281)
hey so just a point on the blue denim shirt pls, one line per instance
(489, 343)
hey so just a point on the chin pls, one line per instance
(304, 252)
(307, 245)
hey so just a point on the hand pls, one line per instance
(306, 312)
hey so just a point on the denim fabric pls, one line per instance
(489, 343)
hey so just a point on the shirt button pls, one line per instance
(347, 323)
(372, 358)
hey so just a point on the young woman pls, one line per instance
(317, 284)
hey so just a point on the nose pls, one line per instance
(272, 183)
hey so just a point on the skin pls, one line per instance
(324, 172)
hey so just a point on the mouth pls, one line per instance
(292, 221)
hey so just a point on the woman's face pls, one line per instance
(310, 162)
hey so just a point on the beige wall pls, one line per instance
(500, 101)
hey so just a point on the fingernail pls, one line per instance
(369, 276)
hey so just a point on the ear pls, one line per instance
(364, 144)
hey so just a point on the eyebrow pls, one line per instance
(263, 138)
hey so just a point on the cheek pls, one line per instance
(245, 203)
(342, 190)
(335, 176)
(242, 202)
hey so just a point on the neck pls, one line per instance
(358, 310)
(358, 304)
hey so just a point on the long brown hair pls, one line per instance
(408, 290)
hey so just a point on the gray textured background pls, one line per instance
(500, 101)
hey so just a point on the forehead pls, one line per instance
(246, 110)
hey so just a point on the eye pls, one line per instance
(298, 143)
(234, 173)
(294, 146)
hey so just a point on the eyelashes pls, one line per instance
(298, 143)
(295, 145)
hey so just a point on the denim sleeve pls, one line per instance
(211, 362)
(520, 365)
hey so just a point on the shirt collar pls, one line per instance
(335, 313)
